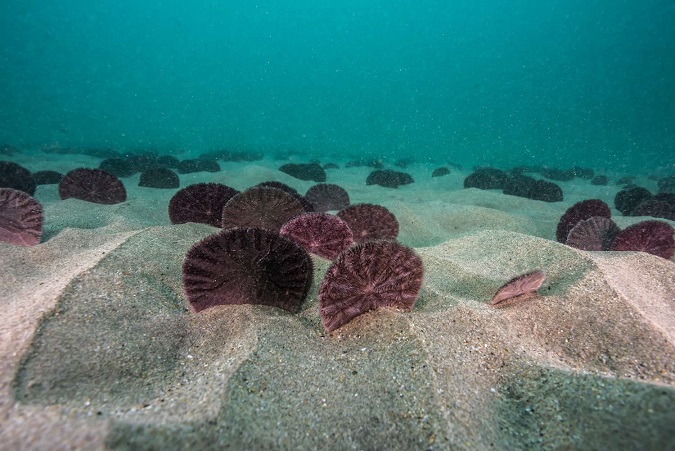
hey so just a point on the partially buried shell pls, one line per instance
(518, 288)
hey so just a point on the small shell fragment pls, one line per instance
(519, 287)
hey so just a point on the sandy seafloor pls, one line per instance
(98, 349)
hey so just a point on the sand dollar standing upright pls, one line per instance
(247, 266)
(368, 276)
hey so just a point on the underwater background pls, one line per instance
(558, 82)
(206, 241)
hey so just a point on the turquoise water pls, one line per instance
(495, 82)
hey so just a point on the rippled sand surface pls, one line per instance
(98, 348)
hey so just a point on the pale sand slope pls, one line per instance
(98, 349)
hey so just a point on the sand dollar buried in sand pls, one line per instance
(267, 208)
(247, 266)
(370, 222)
(92, 185)
(200, 203)
(20, 218)
(653, 237)
(593, 234)
(327, 196)
(518, 289)
(369, 276)
(319, 233)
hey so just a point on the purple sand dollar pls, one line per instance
(370, 222)
(247, 266)
(369, 276)
(319, 233)
(92, 185)
(21, 218)
(653, 237)
(268, 208)
(201, 203)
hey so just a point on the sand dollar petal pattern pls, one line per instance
(269, 208)
(369, 276)
(247, 266)
(20, 218)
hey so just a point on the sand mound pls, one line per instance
(99, 350)
(117, 354)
